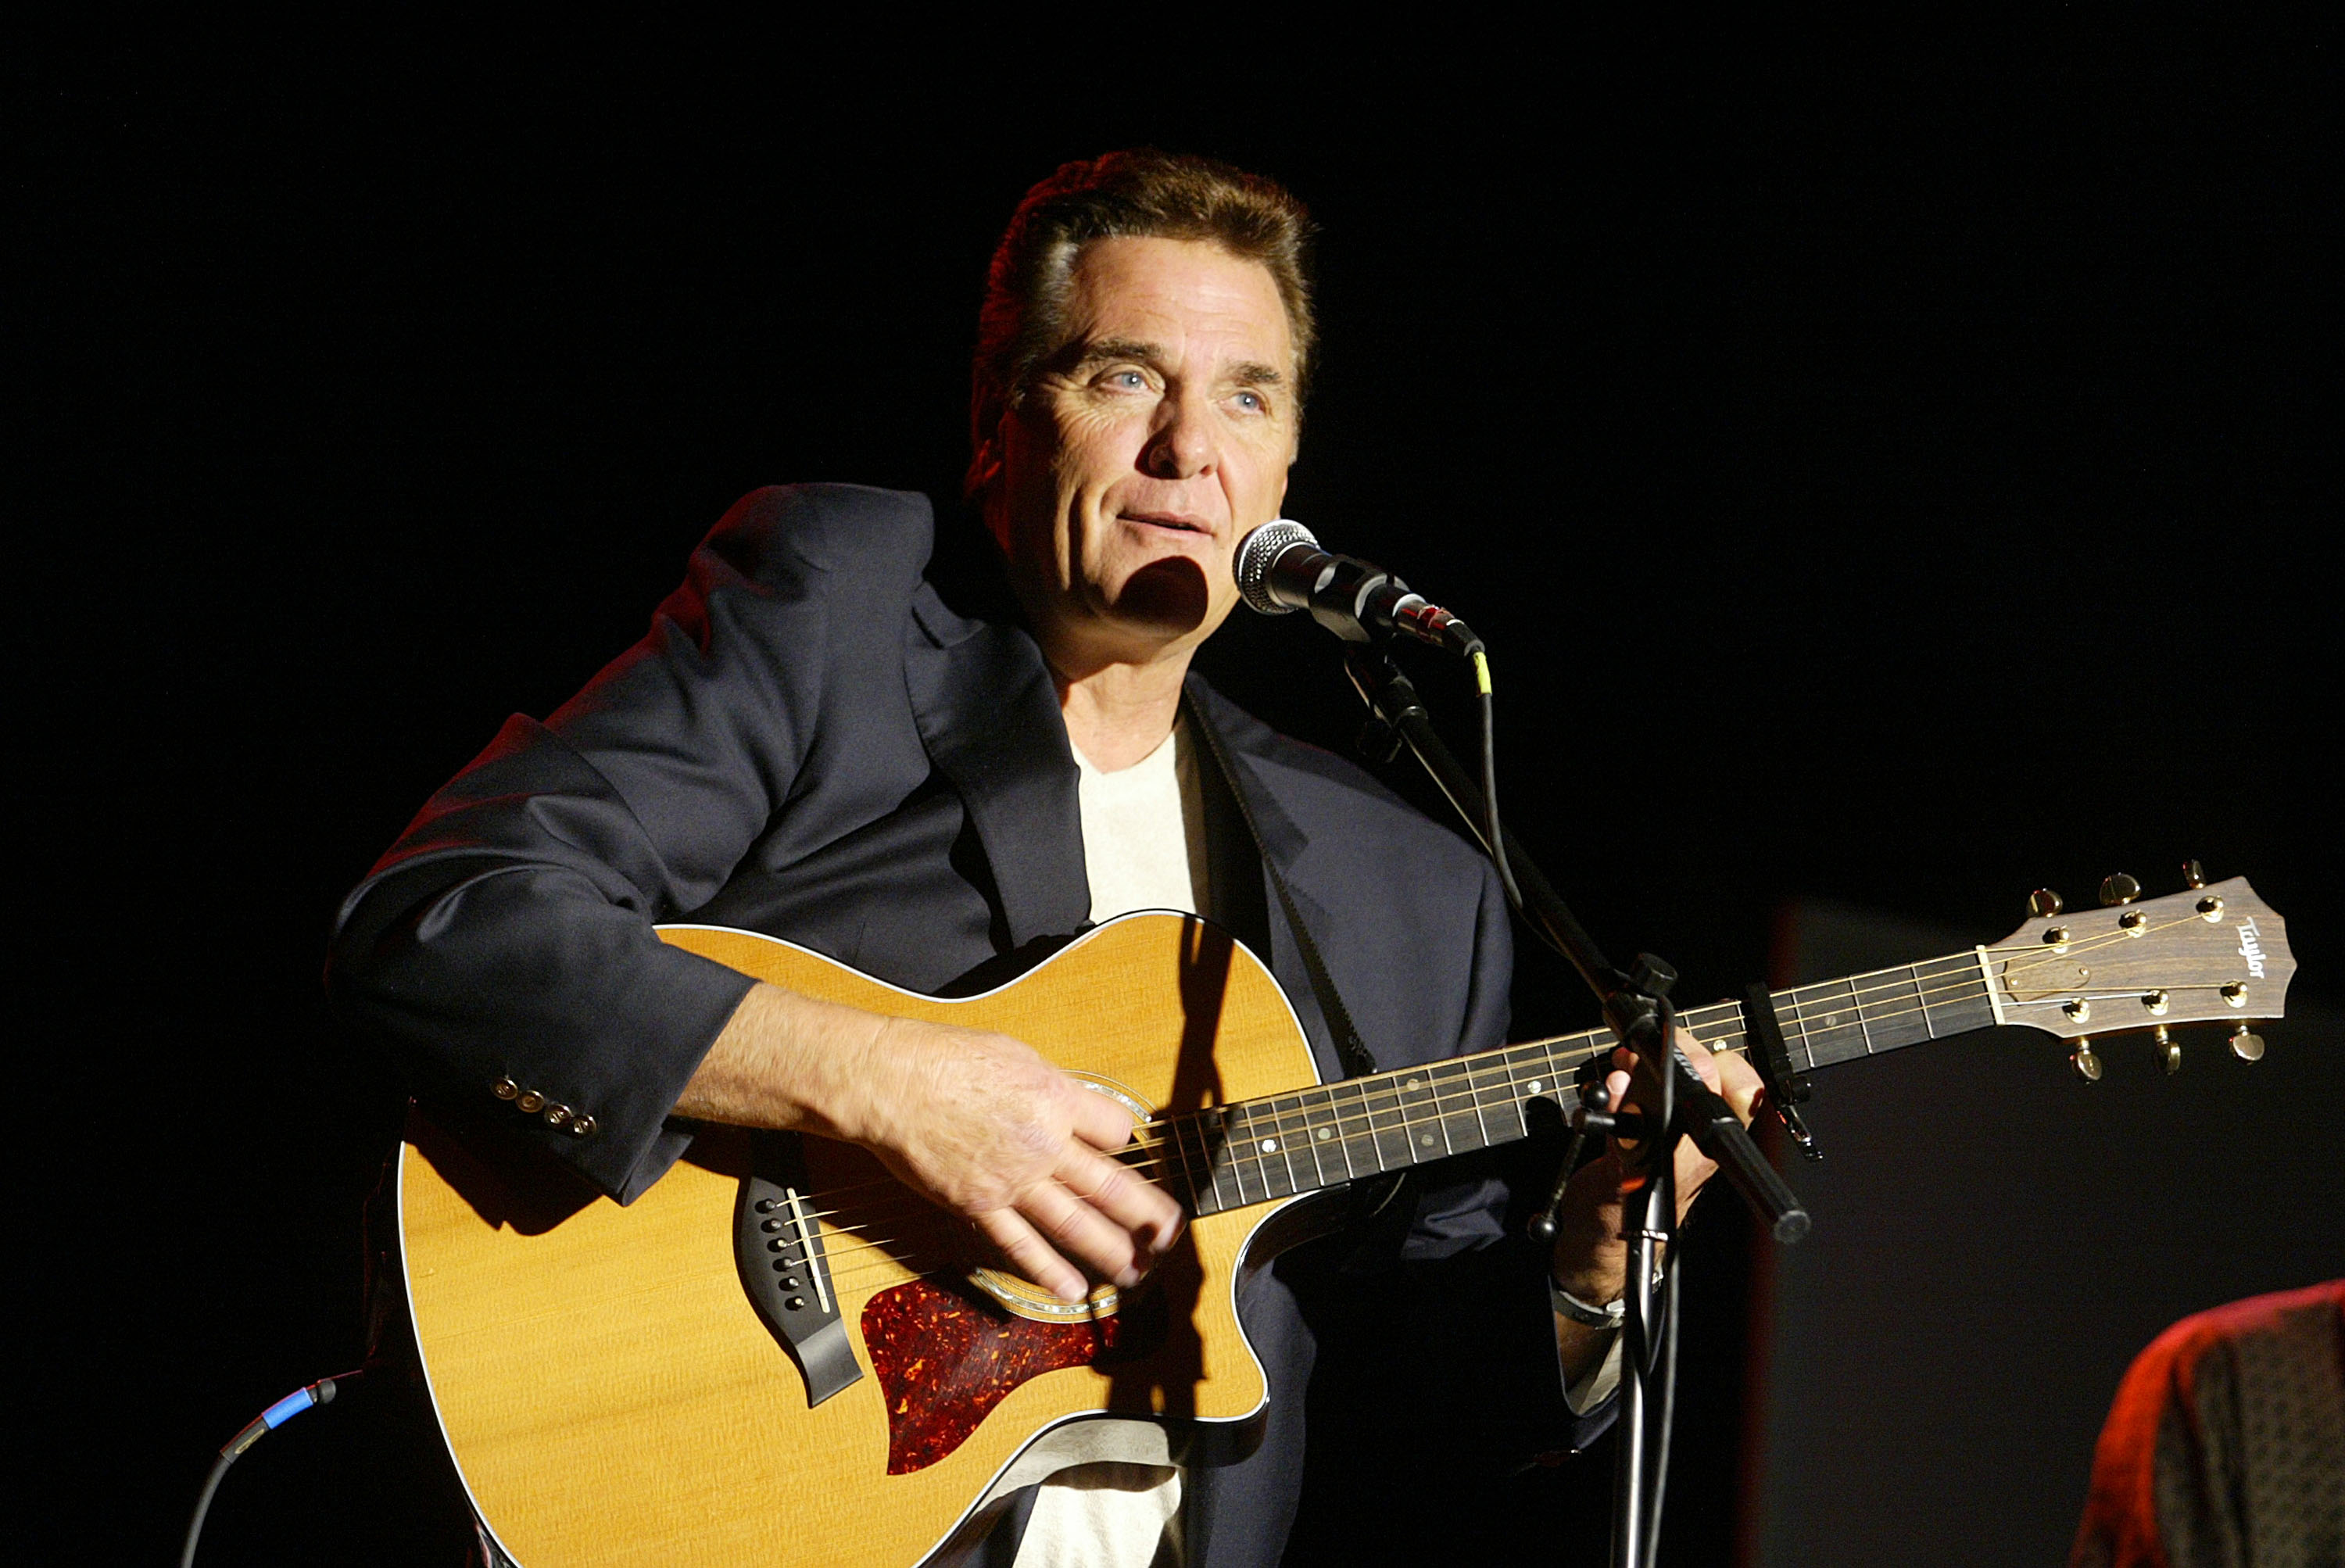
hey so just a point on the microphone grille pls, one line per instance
(1255, 552)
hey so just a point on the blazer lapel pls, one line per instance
(988, 718)
(1287, 845)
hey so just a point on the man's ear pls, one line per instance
(982, 485)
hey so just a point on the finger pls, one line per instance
(1098, 1120)
(1142, 1207)
(1030, 1255)
(1699, 1054)
(1616, 1084)
(1078, 1231)
(1740, 1084)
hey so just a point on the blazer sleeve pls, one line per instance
(504, 949)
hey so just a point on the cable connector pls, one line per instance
(306, 1396)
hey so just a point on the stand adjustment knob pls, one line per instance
(2118, 890)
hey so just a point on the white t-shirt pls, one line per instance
(1144, 849)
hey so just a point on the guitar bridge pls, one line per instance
(777, 1248)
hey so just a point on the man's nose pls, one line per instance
(1183, 445)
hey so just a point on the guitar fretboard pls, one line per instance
(1228, 1157)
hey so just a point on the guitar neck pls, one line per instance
(1258, 1150)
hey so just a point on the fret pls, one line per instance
(1286, 1114)
(1328, 1135)
(1261, 1139)
(1179, 1129)
(1829, 1022)
(1498, 1097)
(1387, 1129)
(1420, 1115)
(1921, 999)
(1548, 1073)
(1209, 1129)
(1348, 1100)
(1719, 1027)
(1957, 996)
(1452, 1087)
(1230, 1155)
(1310, 1127)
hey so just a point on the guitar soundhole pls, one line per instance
(945, 1359)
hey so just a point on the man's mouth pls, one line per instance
(1172, 520)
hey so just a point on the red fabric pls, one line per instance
(2122, 1527)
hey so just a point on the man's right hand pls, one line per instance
(979, 1123)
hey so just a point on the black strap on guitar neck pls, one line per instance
(1349, 1047)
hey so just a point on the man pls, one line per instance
(813, 743)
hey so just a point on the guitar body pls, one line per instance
(611, 1394)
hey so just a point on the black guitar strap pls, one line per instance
(1354, 1053)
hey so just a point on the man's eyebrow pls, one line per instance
(1106, 351)
(1102, 351)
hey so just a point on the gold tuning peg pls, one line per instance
(2194, 875)
(2247, 1045)
(2119, 889)
(2044, 903)
(2088, 1066)
(2170, 1050)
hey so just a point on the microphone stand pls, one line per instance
(1637, 1008)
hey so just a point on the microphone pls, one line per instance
(1279, 567)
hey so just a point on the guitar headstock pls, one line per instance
(2211, 954)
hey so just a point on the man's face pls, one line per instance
(1152, 442)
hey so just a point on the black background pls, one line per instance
(1892, 470)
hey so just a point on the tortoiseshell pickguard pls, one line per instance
(945, 1359)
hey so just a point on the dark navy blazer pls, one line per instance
(809, 743)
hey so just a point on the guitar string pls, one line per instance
(1494, 1070)
(1452, 1096)
(1927, 989)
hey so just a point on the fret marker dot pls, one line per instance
(1535, 1086)
(1425, 1138)
(1325, 1135)
(1410, 1085)
(1270, 1146)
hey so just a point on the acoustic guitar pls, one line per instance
(777, 1354)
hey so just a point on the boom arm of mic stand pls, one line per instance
(1391, 698)
(1706, 1117)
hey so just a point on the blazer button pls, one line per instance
(580, 1126)
(505, 1088)
(530, 1102)
(556, 1114)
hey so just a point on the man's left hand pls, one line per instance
(1591, 1256)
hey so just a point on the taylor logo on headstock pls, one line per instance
(2250, 949)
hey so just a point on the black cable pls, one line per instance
(1496, 836)
(1659, 1449)
(320, 1392)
